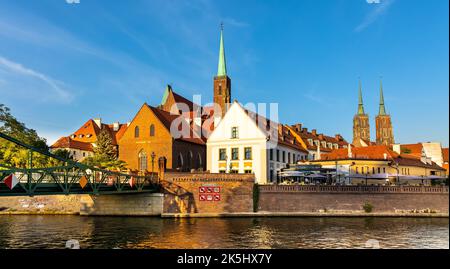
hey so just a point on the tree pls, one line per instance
(105, 153)
(14, 155)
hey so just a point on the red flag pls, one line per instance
(11, 181)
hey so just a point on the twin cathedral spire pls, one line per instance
(383, 123)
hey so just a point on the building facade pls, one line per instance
(316, 143)
(149, 136)
(244, 142)
(379, 165)
(82, 142)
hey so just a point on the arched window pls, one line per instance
(199, 161)
(136, 131)
(152, 130)
(180, 162)
(142, 160)
(189, 160)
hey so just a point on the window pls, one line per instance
(284, 156)
(220, 89)
(384, 169)
(248, 153)
(84, 154)
(356, 170)
(222, 154)
(222, 171)
(248, 171)
(234, 171)
(373, 170)
(289, 157)
(180, 161)
(136, 131)
(379, 170)
(293, 158)
(234, 132)
(278, 155)
(271, 154)
(235, 154)
(142, 160)
(152, 130)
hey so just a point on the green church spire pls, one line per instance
(360, 101)
(382, 109)
(222, 68)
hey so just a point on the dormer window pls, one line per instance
(88, 135)
(310, 141)
(80, 136)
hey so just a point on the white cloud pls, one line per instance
(380, 8)
(61, 94)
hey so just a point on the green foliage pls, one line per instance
(368, 207)
(105, 154)
(12, 154)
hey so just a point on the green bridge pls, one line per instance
(70, 178)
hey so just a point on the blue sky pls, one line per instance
(61, 64)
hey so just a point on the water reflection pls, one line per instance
(119, 232)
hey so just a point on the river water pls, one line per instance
(33, 231)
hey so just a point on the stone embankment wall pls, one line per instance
(45, 204)
(207, 193)
(350, 199)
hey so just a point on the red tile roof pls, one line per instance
(379, 152)
(305, 135)
(69, 143)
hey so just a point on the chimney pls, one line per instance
(298, 127)
(304, 130)
(320, 136)
(338, 137)
(396, 148)
(98, 121)
(116, 126)
(314, 131)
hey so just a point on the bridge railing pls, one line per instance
(71, 178)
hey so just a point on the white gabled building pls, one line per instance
(241, 144)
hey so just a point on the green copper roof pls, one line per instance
(222, 68)
(382, 109)
(166, 94)
(360, 101)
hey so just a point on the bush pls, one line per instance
(368, 207)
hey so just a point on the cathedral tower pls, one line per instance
(383, 124)
(222, 83)
(361, 126)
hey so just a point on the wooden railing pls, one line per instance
(353, 189)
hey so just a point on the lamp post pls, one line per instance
(153, 161)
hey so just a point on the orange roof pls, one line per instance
(413, 149)
(305, 135)
(378, 152)
(68, 143)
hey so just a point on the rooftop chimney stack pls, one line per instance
(298, 127)
(116, 126)
(314, 131)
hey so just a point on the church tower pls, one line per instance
(361, 127)
(222, 83)
(385, 135)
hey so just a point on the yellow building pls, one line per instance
(378, 165)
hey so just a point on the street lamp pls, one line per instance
(153, 161)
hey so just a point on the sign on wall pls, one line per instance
(209, 193)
